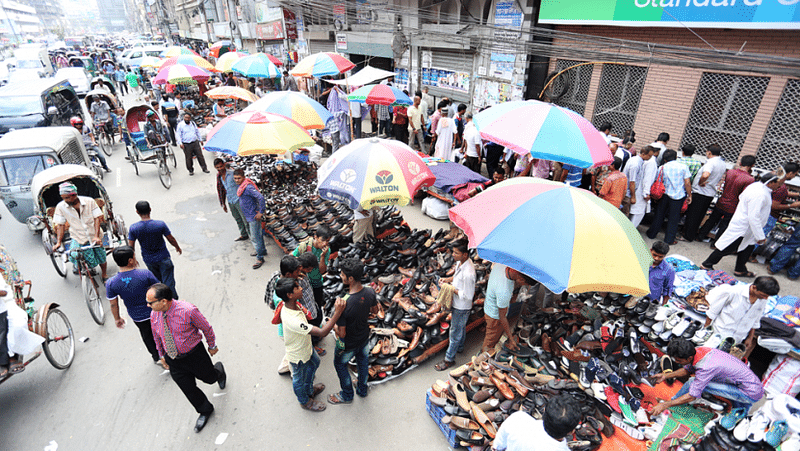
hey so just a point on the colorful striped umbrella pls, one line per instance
(321, 64)
(564, 237)
(175, 51)
(220, 48)
(181, 74)
(150, 61)
(306, 111)
(258, 65)
(274, 59)
(257, 133)
(231, 92)
(380, 95)
(373, 173)
(225, 62)
(547, 131)
(189, 60)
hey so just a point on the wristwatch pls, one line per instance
(211, 349)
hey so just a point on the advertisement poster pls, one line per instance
(441, 78)
(488, 93)
(508, 16)
(502, 65)
(401, 79)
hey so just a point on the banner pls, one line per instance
(266, 13)
(752, 14)
(270, 31)
(447, 79)
(508, 16)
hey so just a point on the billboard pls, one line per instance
(750, 14)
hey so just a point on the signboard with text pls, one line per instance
(753, 14)
(270, 31)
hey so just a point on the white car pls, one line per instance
(77, 77)
(134, 58)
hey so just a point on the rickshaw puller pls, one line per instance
(84, 217)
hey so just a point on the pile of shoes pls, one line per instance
(292, 217)
(403, 269)
(738, 431)
(480, 395)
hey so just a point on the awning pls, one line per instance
(363, 77)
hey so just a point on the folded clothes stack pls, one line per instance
(404, 269)
(480, 395)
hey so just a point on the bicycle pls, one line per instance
(105, 141)
(90, 287)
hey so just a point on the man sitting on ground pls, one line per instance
(520, 432)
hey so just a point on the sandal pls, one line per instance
(318, 388)
(17, 367)
(313, 406)
(443, 365)
(3, 373)
(258, 264)
(320, 352)
(336, 398)
(744, 274)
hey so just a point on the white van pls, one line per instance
(134, 57)
(31, 63)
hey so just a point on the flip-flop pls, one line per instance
(257, 264)
(746, 274)
(4, 373)
(443, 365)
(320, 352)
(313, 406)
(336, 398)
(17, 367)
(318, 388)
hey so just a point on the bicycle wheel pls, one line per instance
(171, 156)
(105, 144)
(93, 301)
(135, 166)
(164, 174)
(60, 263)
(59, 344)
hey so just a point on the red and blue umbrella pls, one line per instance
(380, 95)
(546, 131)
(322, 64)
(566, 238)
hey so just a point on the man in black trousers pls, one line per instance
(176, 329)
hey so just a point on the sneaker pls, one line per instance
(726, 344)
(702, 335)
(711, 404)
(713, 342)
(673, 320)
(680, 328)
(776, 432)
(740, 431)
(663, 313)
(730, 420)
(641, 416)
(758, 427)
(599, 390)
(617, 421)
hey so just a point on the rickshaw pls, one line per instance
(84, 61)
(48, 320)
(106, 142)
(107, 84)
(46, 192)
(28, 151)
(142, 152)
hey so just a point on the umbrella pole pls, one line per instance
(350, 113)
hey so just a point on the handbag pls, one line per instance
(657, 190)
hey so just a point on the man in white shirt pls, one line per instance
(747, 225)
(355, 113)
(520, 432)
(363, 224)
(84, 217)
(427, 98)
(605, 130)
(735, 310)
(638, 195)
(415, 125)
(661, 144)
(704, 189)
(463, 283)
(472, 145)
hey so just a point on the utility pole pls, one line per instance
(236, 33)
(205, 20)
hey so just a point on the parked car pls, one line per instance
(134, 58)
(37, 103)
(78, 77)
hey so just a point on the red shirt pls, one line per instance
(736, 180)
(779, 195)
(614, 187)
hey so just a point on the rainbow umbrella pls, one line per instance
(188, 60)
(180, 74)
(225, 62)
(274, 59)
(175, 51)
(546, 131)
(150, 61)
(306, 111)
(373, 173)
(220, 47)
(380, 95)
(256, 133)
(231, 92)
(321, 64)
(258, 65)
(564, 237)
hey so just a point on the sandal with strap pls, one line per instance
(744, 274)
(336, 398)
(314, 406)
(443, 365)
(16, 367)
(318, 388)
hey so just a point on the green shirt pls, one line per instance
(693, 165)
(133, 80)
(314, 276)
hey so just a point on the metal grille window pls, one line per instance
(781, 142)
(723, 111)
(618, 96)
(577, 85)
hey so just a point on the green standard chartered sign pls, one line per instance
(756, 14)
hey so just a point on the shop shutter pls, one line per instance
(781, 142)
(456, 61)
(723, 111)
(619, 95)
(321, 46)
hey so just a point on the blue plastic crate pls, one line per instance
(437, 413)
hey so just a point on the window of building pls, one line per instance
(576, 81)
(781, 142)
(618, 97)
(723, 111)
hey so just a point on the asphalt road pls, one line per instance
(113, 397)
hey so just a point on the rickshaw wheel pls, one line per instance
(59, 344)
(164, 174)
(171, 156)
(59, 263)
(93, 300)
(105, 144)
(135, 166)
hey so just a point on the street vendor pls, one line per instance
(735, 310)
(715, 372)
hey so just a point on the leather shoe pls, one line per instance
(202, 420)
(223, 378)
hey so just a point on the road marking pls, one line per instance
(119, 177)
